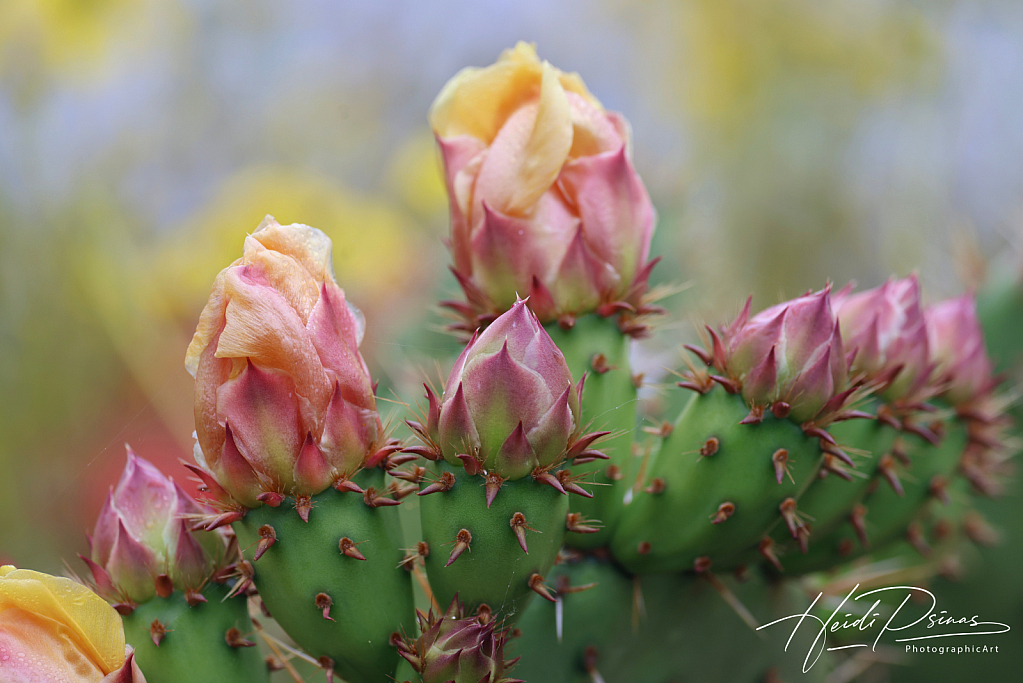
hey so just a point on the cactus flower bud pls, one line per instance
(963, 369)
(53, 629)
(885, 331)
(544, 198)
(143, 538)
(284, 403)
(789, 353)
(455, 648)
(509, 401)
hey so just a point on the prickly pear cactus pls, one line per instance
(746, 446)
(334, 582)
(169, 582)
(496, 491)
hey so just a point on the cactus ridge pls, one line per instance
(709, 459)
(205, 642)
(331, 601)
(494, 555)
(595, 346)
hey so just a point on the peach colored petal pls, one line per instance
(261, 326)
(210, 321)
(309, 246)
(70, 610)
(286, 274)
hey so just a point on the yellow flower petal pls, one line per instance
(478, 101)
(91, 624)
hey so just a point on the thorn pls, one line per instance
(599, 364)
(845, 547)
(637, 380)
(730, 386)
(755, 417)
(886, 467)
(472, 465)
(643, 548)
(710, 447)
(885, 416)
(564, 586)
(568, 482)
(327, 664)
(939, 488)
(725, 510)
(780, 409)
(234, 638)
(701, 564)
(923, 432)
(346, 485)
(157, 631)
(692, 386)
(819, 433)
(519, 526)
(583, 442)
(899, 453)
(267, 537)
(589, 455)
(164, 586)
(493, 484)
(656, 486)
(699, 353)
(218, 521)
(484, 614)
(978, 530)
(373, 500)
(741, 573)
(414, 475)
(303, 504)
(271, 498)
(194, 597)
(348, 547)
(462, 540)
(830, 464)
(614, 307)
(766, 549)
(838, 453)
(549, 479)
(576, 523)
(445, 483)
(915, 536)
(566, 321)
(803, 538)
(780, 460)
(537, 586)
(613, 473)
(663, 430)
(791, 517)
(858, 520)
(324, 602)
(124, 608)
(409, 455)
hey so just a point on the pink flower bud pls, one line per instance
(544, 199)
(963, 369)
(791, 352)
(509, 400)
(884, 330)
(144, 531)
(283, 399)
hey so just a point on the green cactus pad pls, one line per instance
(829, 499)
(668, 523)
(609, 404)
(680, 629)
(888, 515)
(194, 646)
(370, 599)
(493, 570)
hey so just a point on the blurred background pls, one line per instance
(783, 142)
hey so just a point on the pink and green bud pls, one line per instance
(544, 199)
(143, 544)
(284, 402)
(963, 370)
(884, 331)
(509, 403)
(455, 648)
(790, 353)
